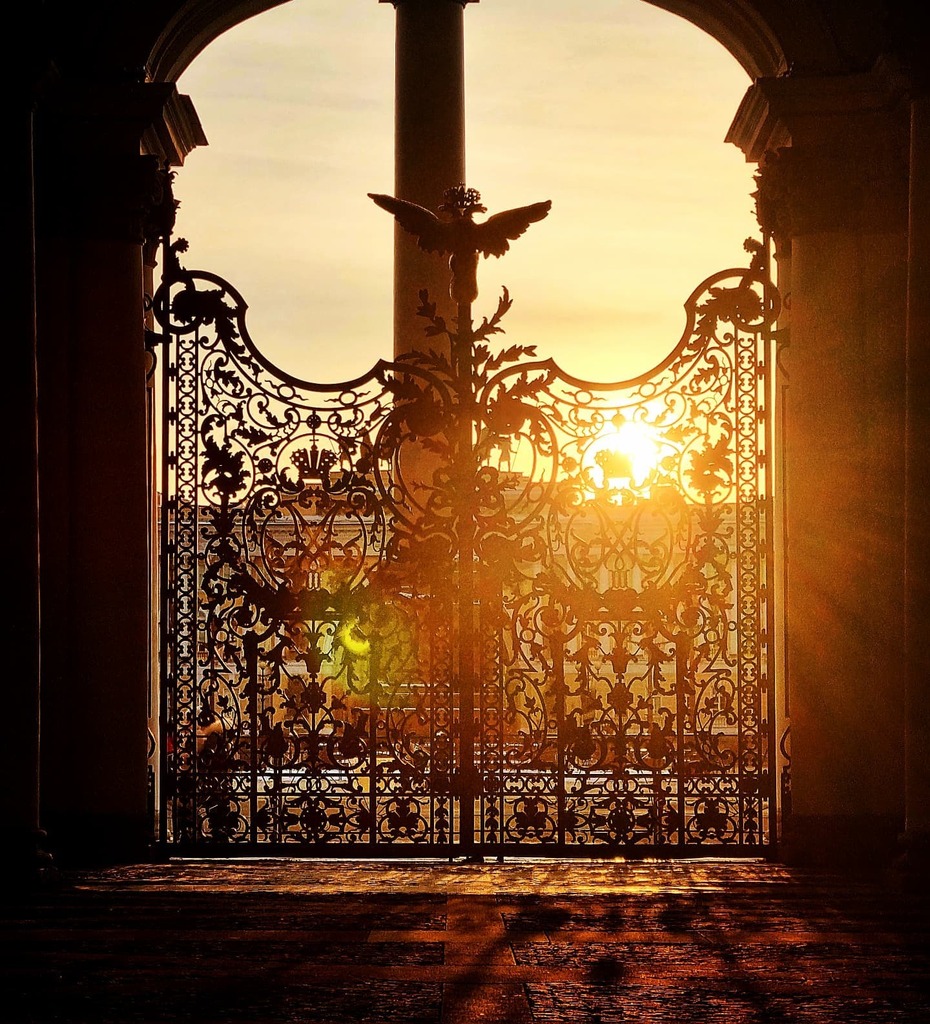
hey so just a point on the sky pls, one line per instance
(613, 109)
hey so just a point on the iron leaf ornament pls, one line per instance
(459, 235)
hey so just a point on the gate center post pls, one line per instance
(463, 473)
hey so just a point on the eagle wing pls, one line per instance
(431, 233)
(493, 237)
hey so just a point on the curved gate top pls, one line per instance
(465, 604)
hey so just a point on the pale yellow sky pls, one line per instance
(613, 109)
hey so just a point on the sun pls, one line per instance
(624, 456)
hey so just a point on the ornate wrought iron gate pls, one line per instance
(466, 605)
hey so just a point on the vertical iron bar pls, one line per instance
(740, 645)
(252, 670)
(559, 680)
(435, 798)
(680, 726)
(374, 704)
(168, 371)
(185, 634)
(767, 379)
(491, 687)
(739, 503)
(464, 470)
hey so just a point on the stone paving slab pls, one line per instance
(424, 943)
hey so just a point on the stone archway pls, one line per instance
(754, 41)
(820, 90)
(193, 27)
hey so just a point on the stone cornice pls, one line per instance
(756, 128)
(178, 131)
(806, 109)
(832, 151)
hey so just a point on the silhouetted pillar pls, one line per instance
(917, 599)
(95, 193)
(429, 146)
(20, 837)
(841, 189)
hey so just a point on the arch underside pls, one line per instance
(764, 37)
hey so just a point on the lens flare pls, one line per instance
(352, 640)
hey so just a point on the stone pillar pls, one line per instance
(20, 836)
(917, 592)
(429, 146)
(94, 191)
(841, 188)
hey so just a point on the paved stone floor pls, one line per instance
(326, 942)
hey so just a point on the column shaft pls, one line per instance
(834, 182)
(19, 514)
(844, 436)
(429, 147)
(917, 599)
(96, 190)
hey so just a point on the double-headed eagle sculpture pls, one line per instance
(459, 235)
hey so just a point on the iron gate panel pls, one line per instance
(466, 605)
